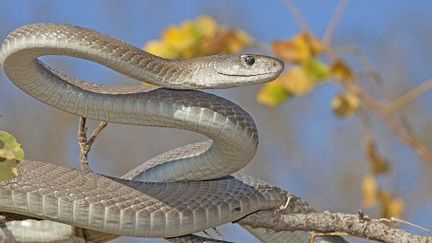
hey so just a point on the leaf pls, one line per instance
(291, 52)
(391, 205)
(181, 37)
(8, 170)
(159, 48)
(11, 154)
(316, 70)
(300, 49)
(207, 26)
(345, 105)
(198, 38)
(237, 41)
(341, 70)
(369, 188)
(316, 47)
(297, 82)
(273, 94)
(227, 41)
(379, 164)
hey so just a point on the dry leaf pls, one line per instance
(316, 47)
(345, 105)
(207, 25)
(198, 38)
(391, 205)
(369, 188)
(379, 164)
(291, 52)
(297, 82)
(341, 70)
(300, 49)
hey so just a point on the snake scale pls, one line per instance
(185, 190)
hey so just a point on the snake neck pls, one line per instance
(217, 71)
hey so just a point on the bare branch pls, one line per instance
(354, 225)
(96, 132)
(294, 215)
(401, 131)
(84, 144)
(404, 135)
(409, 97)
(331, 28)
(298, 16)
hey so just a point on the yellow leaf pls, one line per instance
(180, 37)
(207, 25)
(300, 49)
(238, 41)
(294, 52)
(341, 70)
(369, 188)
(297, 82)
(198, 38)
(315, 46)
(379, 164)
(159, 48)
(391, 205)
(345, 105)
(273, 94)
(227, 41)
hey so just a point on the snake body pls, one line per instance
(185, 190)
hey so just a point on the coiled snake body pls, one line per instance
(179, 192)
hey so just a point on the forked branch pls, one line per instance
(84, 143)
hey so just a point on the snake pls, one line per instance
(182, 191)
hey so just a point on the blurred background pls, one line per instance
(304, 147)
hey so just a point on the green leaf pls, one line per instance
(316, 70)
(273, 93)
(11, 155)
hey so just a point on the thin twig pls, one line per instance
(393, 221)
(84, 144)
(409, 97)
(298, 16)
(96, 132)
(363, 60)
(403, 133)
(397, 127)
(331, 28)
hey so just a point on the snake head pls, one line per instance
(247, 69)
(226, 71)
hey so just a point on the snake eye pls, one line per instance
(249, 60)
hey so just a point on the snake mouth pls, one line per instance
(246, 75)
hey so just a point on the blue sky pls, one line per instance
(374, 26)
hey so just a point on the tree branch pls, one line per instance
(355, 225)
(404, 135)
(409, 97)
(294, 215)
(298, 16)
(84, 144)
(331, 28)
